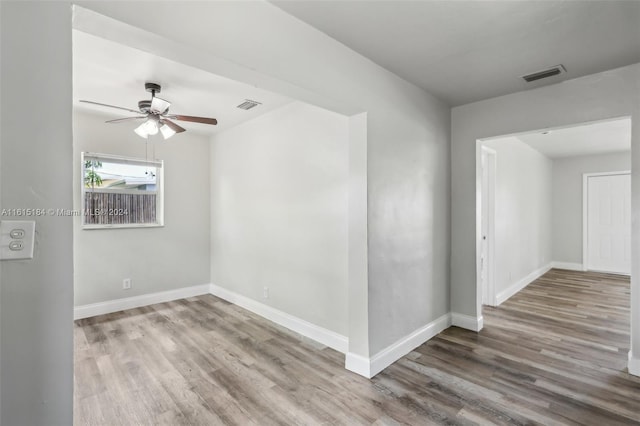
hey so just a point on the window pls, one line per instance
(121, 192)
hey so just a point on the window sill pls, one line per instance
(123, 226)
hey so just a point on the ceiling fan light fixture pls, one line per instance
(141, 131)
(166, 131)
(155, 113)
(151, 126)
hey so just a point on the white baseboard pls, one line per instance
(101, 308)
(522, 283)
(358, 364)
(372, 366)
(634, 365)
(602, 271)
(327, 337)
(569, 266)
(467, 322)
(367, 367)
(400, 348)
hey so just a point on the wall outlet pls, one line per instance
(126, 283)
(265, 292)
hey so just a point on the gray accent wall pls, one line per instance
(408, 216)
(36, 313)
(567, 207)
(155, 259)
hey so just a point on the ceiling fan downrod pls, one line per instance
(153, 88)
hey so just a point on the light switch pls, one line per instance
(17, 239)
(17, 234)
(16, 245)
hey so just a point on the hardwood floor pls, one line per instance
(555, 353)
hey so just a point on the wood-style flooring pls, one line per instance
(555, 353)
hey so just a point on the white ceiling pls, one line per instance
(111, 73)
(588, 139)
(465, 51)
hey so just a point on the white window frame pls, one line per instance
(158, 164)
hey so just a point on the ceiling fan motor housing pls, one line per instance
(144, 106)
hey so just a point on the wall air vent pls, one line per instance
(549, 72)
(248, 104)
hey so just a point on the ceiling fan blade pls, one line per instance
(118, 120)
(159, 105)
(195, 119)
(111, 106)
(173, 125)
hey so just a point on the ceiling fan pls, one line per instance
(155, 113)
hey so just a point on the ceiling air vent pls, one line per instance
(248, 104)
(549, 72)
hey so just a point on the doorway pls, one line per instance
(531, 200)
(557, 200)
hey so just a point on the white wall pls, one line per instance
(36, 386)
(407, 140)
(156, 259)
(600, 96)
(567, 199)
(279, 188)
(522, 211)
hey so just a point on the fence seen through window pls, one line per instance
(121, 191)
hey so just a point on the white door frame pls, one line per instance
(585, 208)
(486, 259)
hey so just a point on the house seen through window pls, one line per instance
(121, 191)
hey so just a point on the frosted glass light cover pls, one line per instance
(141, 131)
(151, 126)
(167, 131)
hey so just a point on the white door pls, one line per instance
(609, 223)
